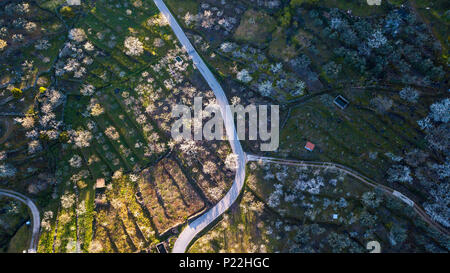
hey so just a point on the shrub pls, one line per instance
(371, 199)
(399, 173)
(3, 44)
(16, 92)
(332, 69)
(381, 104)
(409, 94)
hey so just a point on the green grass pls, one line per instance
(256, 33)
(20, 241)
(181, 7)
(349, 136)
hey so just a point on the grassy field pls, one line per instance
(20, 241)
(255, 28)
(14, 234)
(436, 15)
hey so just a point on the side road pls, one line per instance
(35, 214)
(359, 177)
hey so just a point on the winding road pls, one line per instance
(200, 223)
(34, 212)
(194, 227)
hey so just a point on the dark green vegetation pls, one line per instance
(86, 94)
(295, 209)
(91, 132)
(14, 233)
(389, 61)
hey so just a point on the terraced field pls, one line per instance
(123, 110)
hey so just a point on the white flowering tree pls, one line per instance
(265, 88)
(244, 76)
(377, 40)
(133, 47)
(87, 90)
(409, 94)
(440, 111)
(75, 161)
(3, 44)
(81, 138)
(77, 35)
(400, 173)
(7, 170)
(231, 161)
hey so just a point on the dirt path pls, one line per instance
(358, 176)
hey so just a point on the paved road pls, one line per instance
(193, 228)
(34, 211)
(209, 216)
(425, 217)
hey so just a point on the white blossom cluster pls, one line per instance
(67, 200)
(6, 170)
(211, 18)
(400, 173)
(72, 57)
(409, 94)
(133, 47)
(271, 78)
(209, 167)
(80, 138)
(45, 223)
(18, 8)
(244, 76)
(231, 161)
(48, 125)
(265, 88)
(75, 161)
(312, 185)
(274, 198)
(87, 90)
(77, 34)
(20, 24)
(158, 20)
(42, 44)
(95, 109)
(190, 149)
(135, 106)
(377, 40)
(112, 133)
(175, 68)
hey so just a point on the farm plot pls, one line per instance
(166, 193)
(317, 211)
(117, 131)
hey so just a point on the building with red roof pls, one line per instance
(310, 146)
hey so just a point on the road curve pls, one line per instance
(425, 217)
(34, 212)
(193, 228)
